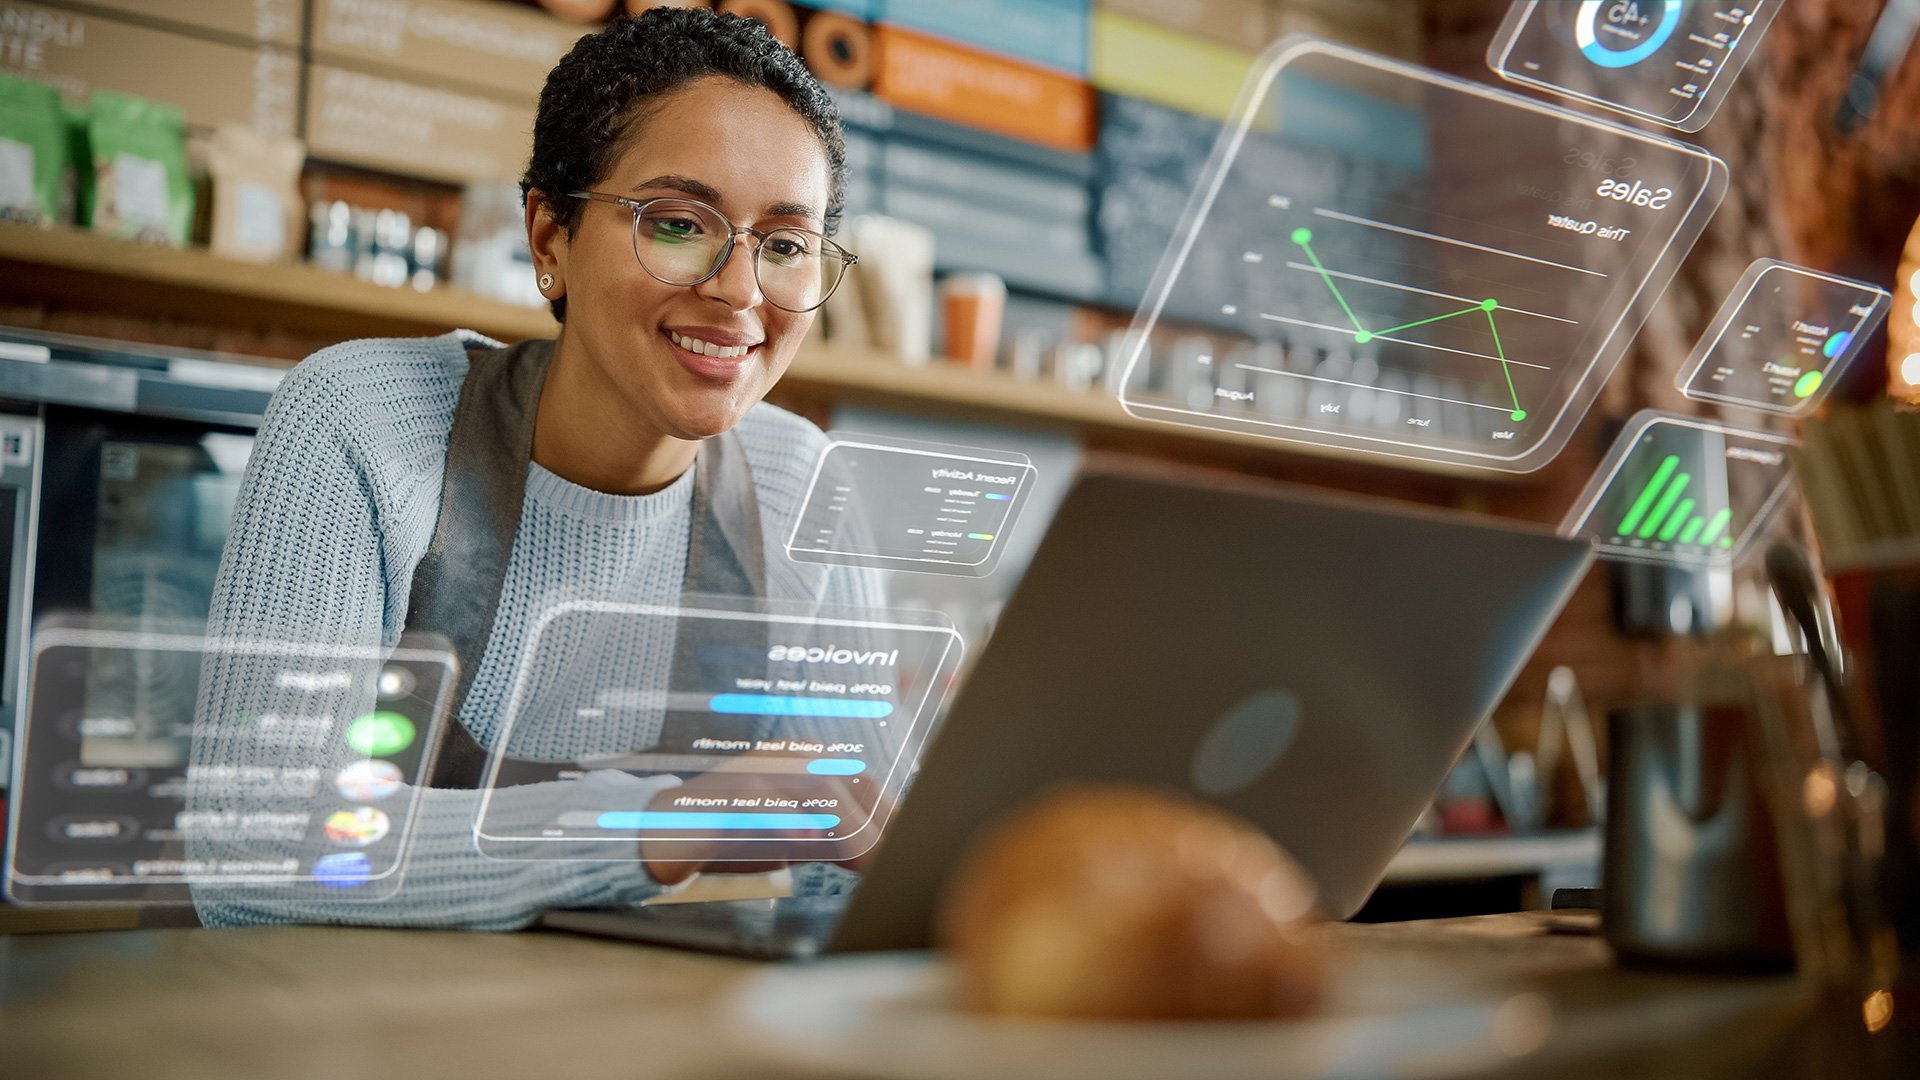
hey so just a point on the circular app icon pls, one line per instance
(360, 827)
(368, 781)
(342, 870)
(1621, 33)
(380, 734)
(395, 682)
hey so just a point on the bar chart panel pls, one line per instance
(1679, 490)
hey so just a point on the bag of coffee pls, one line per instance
(140, 189)
(36, 180)
(256, 194)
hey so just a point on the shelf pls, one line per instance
(73, 270)
(63, 265)
(881, 379)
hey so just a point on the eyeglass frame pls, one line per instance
(828, 247)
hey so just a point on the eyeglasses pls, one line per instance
(684, 242)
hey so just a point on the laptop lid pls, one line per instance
(1312, 663)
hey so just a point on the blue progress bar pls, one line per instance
(772, 705)
(998, 497)
(836, 766)
(680, 819)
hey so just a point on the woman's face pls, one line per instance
(748, 154)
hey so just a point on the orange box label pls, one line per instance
(947, 82)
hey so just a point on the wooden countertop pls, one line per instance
(292, 1002)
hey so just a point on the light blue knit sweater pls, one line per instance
(337, 508)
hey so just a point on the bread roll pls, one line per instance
(1117, 902)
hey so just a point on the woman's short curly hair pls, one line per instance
(602, 87)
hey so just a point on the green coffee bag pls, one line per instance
(35, 182)
(140, 186)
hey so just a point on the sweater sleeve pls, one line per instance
(305, 562)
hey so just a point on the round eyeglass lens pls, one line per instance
(683, 243)
(797, 272)
(678, 242)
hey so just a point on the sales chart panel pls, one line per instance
(1387, 259)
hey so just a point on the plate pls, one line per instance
(895, 1015)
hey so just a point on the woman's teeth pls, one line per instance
(708, 348)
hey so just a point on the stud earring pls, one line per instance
(546, 282)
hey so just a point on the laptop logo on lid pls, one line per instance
(1245, 742)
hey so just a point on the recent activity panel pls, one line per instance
(901, 504)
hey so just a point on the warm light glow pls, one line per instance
(1903, 335)
(1878, 1010)
(1820, 791)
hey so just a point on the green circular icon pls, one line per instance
(1303, 237)
(380, 734)
(1806, 384)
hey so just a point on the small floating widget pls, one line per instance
(1670, 62)
(902, 504)
(1681, 491)
(1782, 338)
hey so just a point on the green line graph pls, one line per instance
(1663, 511)
(1362, 335)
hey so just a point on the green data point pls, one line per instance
(1303, 236)
(1362, 337)
(1519, 414)
(1489, 304)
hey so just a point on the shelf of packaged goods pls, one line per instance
(73, 270)
(70, 268)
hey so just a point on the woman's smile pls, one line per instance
(714, 354)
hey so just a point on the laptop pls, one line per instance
(1314, 664)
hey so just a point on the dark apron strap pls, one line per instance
(457, 586)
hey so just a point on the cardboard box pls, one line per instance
(1029, 251)
(212, 82)
(271, 22)
(499, 48)
(1240, 24)
(977, 89)
(397, 126)
(1035, 230)
(1048, 196)
(1142, 60)
(864, 150)
(1051, 33)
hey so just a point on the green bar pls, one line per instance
(1676, 519)
(1714, 526)
(1692, 530)
(1652, 524)
(1647, 496)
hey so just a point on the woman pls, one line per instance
(685, 168)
